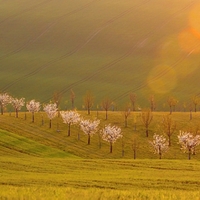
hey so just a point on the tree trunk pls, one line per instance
(88, 139)
(189, 154)
(33, 117)
(147, 132)
(134, 154)
(169, 140)
(1, 109)
(16, 111)
(190, 115)
(50, 123)
(42, 120)
(160, 153)
(110, 147)
(69, 130)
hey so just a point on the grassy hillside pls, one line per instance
(110, 48)
(42, 163)
(12, 144)
(36, 178)
(38, 139)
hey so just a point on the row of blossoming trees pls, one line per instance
(109, 133)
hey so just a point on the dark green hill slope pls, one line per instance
(15, 145)
(108, 47)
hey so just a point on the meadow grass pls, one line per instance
(42, 163)
(44, 178)
(23, 135)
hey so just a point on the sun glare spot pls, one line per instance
(162, 79)
(194, 18)
(189, 41)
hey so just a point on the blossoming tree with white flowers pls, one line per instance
(159, 144)
(33, 106)
(89, 127)
(188, 142)
(70, 118)
(17, 104)
(111, 134)
(51, 111)
(4, 100)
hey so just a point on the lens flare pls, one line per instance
(189, 41)
(162, 79)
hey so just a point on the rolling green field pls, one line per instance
(110, 48)
(44, 178)
(42, 163)
(38, 136)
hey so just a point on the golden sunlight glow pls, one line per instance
(194, 18)
(189, 41)
(162, 79)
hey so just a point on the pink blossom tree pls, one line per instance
(5, 99)
(159, 144)
(188, 142)
(33, 106)
(70, 118)
(17, 104)
(51, 111)
(89, 127)
(111, 134)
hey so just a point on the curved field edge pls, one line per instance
(12, 144)
(54, 178)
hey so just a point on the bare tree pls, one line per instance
(133, 98)
(88, 101)
(111, 134)
(195, 101)
(135, 146)
(159, 145)
(190, 110)
(72, 97)
(184, 106)
(57, 96)
(106, 104)
(126, 113)
(146, 117)
(152, 103)
(169, 126)
(135, 121)
(172, 102)
(188, 142)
